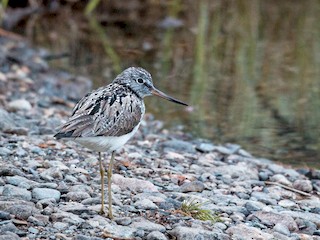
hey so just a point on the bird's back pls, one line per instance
(110, 111)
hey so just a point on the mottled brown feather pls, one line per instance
(113, 110)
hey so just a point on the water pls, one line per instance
(249, 69)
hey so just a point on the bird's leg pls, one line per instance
(109, 185)
(102, 183)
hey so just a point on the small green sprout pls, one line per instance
(193, 208)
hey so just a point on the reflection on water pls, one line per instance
(250, 69)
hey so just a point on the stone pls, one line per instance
(145, 204)
(10, 170)
(179, 145)
(76, 208)
(66, 217)
(253, 206)
(57, 164)
(194, 186)
(9, 236)
(223, 150)
(187, 233)
(315, 174)
(81, 188)
(156, 235)
(313, 217)
(146, 225)
(39, 220)
(242, 231)
(44, 193)
(60, 225)
(21, 209)
(306, 226)
(16, 192)
(241, 171)
(310, 202)
(21, 181)
(21, 152)
(5, 151)
(279, 178)
(155, 197)
(6, 121)
(4, 215)
(286, 203)
(205, 147)
(133, 184)
(19, 104)
(271, 219)
(281, 228)
(124, 221)
(263, 197)
(52, 173)
(83, 237)
(33, 230)
(77, 196)
(303, 185)
(220, 225)
(8, 227)
(118, 232)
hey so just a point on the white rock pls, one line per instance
(19, 104)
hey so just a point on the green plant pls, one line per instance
(194, 209)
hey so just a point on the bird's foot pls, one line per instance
(102, 212)
(110, 215)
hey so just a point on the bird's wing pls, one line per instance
(108, 111)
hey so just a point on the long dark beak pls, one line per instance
(158, 93)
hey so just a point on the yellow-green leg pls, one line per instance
(109, 185)
(102, 183)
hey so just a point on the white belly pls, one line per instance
(103, 144)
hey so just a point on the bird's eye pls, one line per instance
(140, 80)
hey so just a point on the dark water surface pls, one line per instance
(250, 69)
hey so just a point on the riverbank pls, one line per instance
(51, 189)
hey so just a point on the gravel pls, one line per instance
(50, 189)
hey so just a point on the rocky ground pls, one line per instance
(50, 189)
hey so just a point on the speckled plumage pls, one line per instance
(113, 110)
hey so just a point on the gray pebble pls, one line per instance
(43, 193)
(306, 226)
(21, 152)
(124, 221)
(195, 186)
(263, 197)
(281, 228)
(33, 230)
(77, 196)
(253, 206)
(6, 121)
(220, 225)
(280, 179)
(144, 224)
(179, 145)
(139, 233)
(60, 225)
(4, 215)
(9, 236)
(16, 192)
(37, 150)
(156, 235)
(5, 151)
(205, 147)
(19, 104)
(145, 204)
(8, 226)
(303, 185)
(39, 220)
